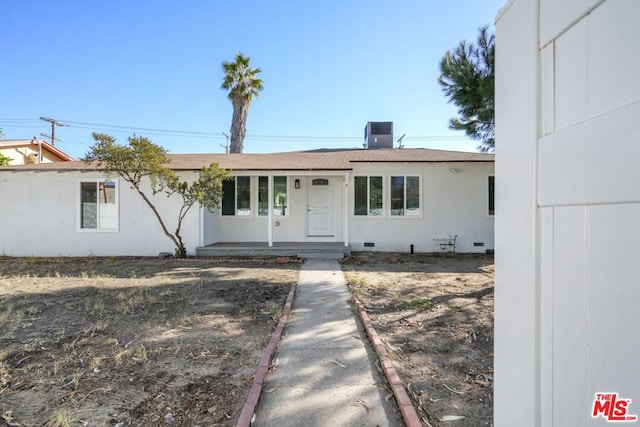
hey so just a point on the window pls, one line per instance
(280, 195)
(492, 195)
(368, 196)
(98, 205)
(405, 195)
(236, 197)
(263, 195)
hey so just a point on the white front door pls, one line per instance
(320, 206)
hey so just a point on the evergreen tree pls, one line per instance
(467, 79)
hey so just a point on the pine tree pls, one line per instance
(467, 79)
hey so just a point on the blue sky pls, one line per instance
(145, 67)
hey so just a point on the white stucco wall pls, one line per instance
(291, 228)
(454, 202)
(567, 104)
(41, 214)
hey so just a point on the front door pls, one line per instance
(320, 206)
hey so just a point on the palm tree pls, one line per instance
(243, 85)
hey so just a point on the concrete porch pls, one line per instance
(330, 249)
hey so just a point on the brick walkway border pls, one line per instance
(254, 394)
(407, 410)
(402, 398)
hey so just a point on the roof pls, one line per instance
(34, 144)
(294, 160)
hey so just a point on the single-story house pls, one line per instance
(34, 150)
(354, 199)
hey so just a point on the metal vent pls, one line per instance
(369, 244)
(478, 244)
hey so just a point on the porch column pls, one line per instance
(201, 214)
(270, 211)
(345, 226)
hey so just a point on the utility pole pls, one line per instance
(54, 123)
(226, 146)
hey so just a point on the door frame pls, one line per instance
(331, 205)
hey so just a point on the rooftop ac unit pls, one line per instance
(378, 135)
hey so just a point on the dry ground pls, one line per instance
(133, 342)
(435, 314)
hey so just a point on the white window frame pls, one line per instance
(383, 212)
(257, 198)
(418, 214)
(78, 194)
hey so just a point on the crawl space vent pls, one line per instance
(478, 244)
(369, 244)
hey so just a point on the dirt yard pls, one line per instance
(133, 342)
(435, 313)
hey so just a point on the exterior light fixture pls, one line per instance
(296, 183)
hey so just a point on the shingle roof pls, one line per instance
(294, 160)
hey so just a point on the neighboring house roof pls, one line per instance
(295, 160)
(52, 152)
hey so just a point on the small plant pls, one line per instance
(140, 354)
(98, 307)
(4, 160)
(60, 418)
(185, 322)
(276, 313)
(17, 317)
(118, 357)
(33, 310)
(421, 304)
(151, 297)
(357, 281)
(5, 371)
(100, 326)
(5, 313)
(111, 341)
(95, 362)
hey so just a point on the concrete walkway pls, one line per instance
(323, 372)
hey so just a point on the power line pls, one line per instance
(212, 135)
(20, 120)
(22, 126)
